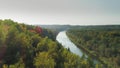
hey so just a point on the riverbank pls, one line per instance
(89, 53)
(65, 41)
(84, 60)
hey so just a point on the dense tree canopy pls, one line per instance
(27, 46)
(101, 41)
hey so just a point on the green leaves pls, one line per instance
(100, 41)
(24, 48)
(43, 60)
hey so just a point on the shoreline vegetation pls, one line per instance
(29, 46)
(91, 38)
(85, 50)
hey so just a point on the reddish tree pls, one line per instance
(38, 29)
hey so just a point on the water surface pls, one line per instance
(65, 41)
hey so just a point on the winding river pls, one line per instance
(65, 41)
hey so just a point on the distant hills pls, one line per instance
(56, 27)
(65, 27)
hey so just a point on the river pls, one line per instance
(63, 39)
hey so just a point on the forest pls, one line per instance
(29, 46)
(101, 42)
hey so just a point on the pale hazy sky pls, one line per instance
(82, 12)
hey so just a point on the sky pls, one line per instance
(73, 12)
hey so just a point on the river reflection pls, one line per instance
(65, 41)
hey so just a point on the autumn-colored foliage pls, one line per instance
(38, 29)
